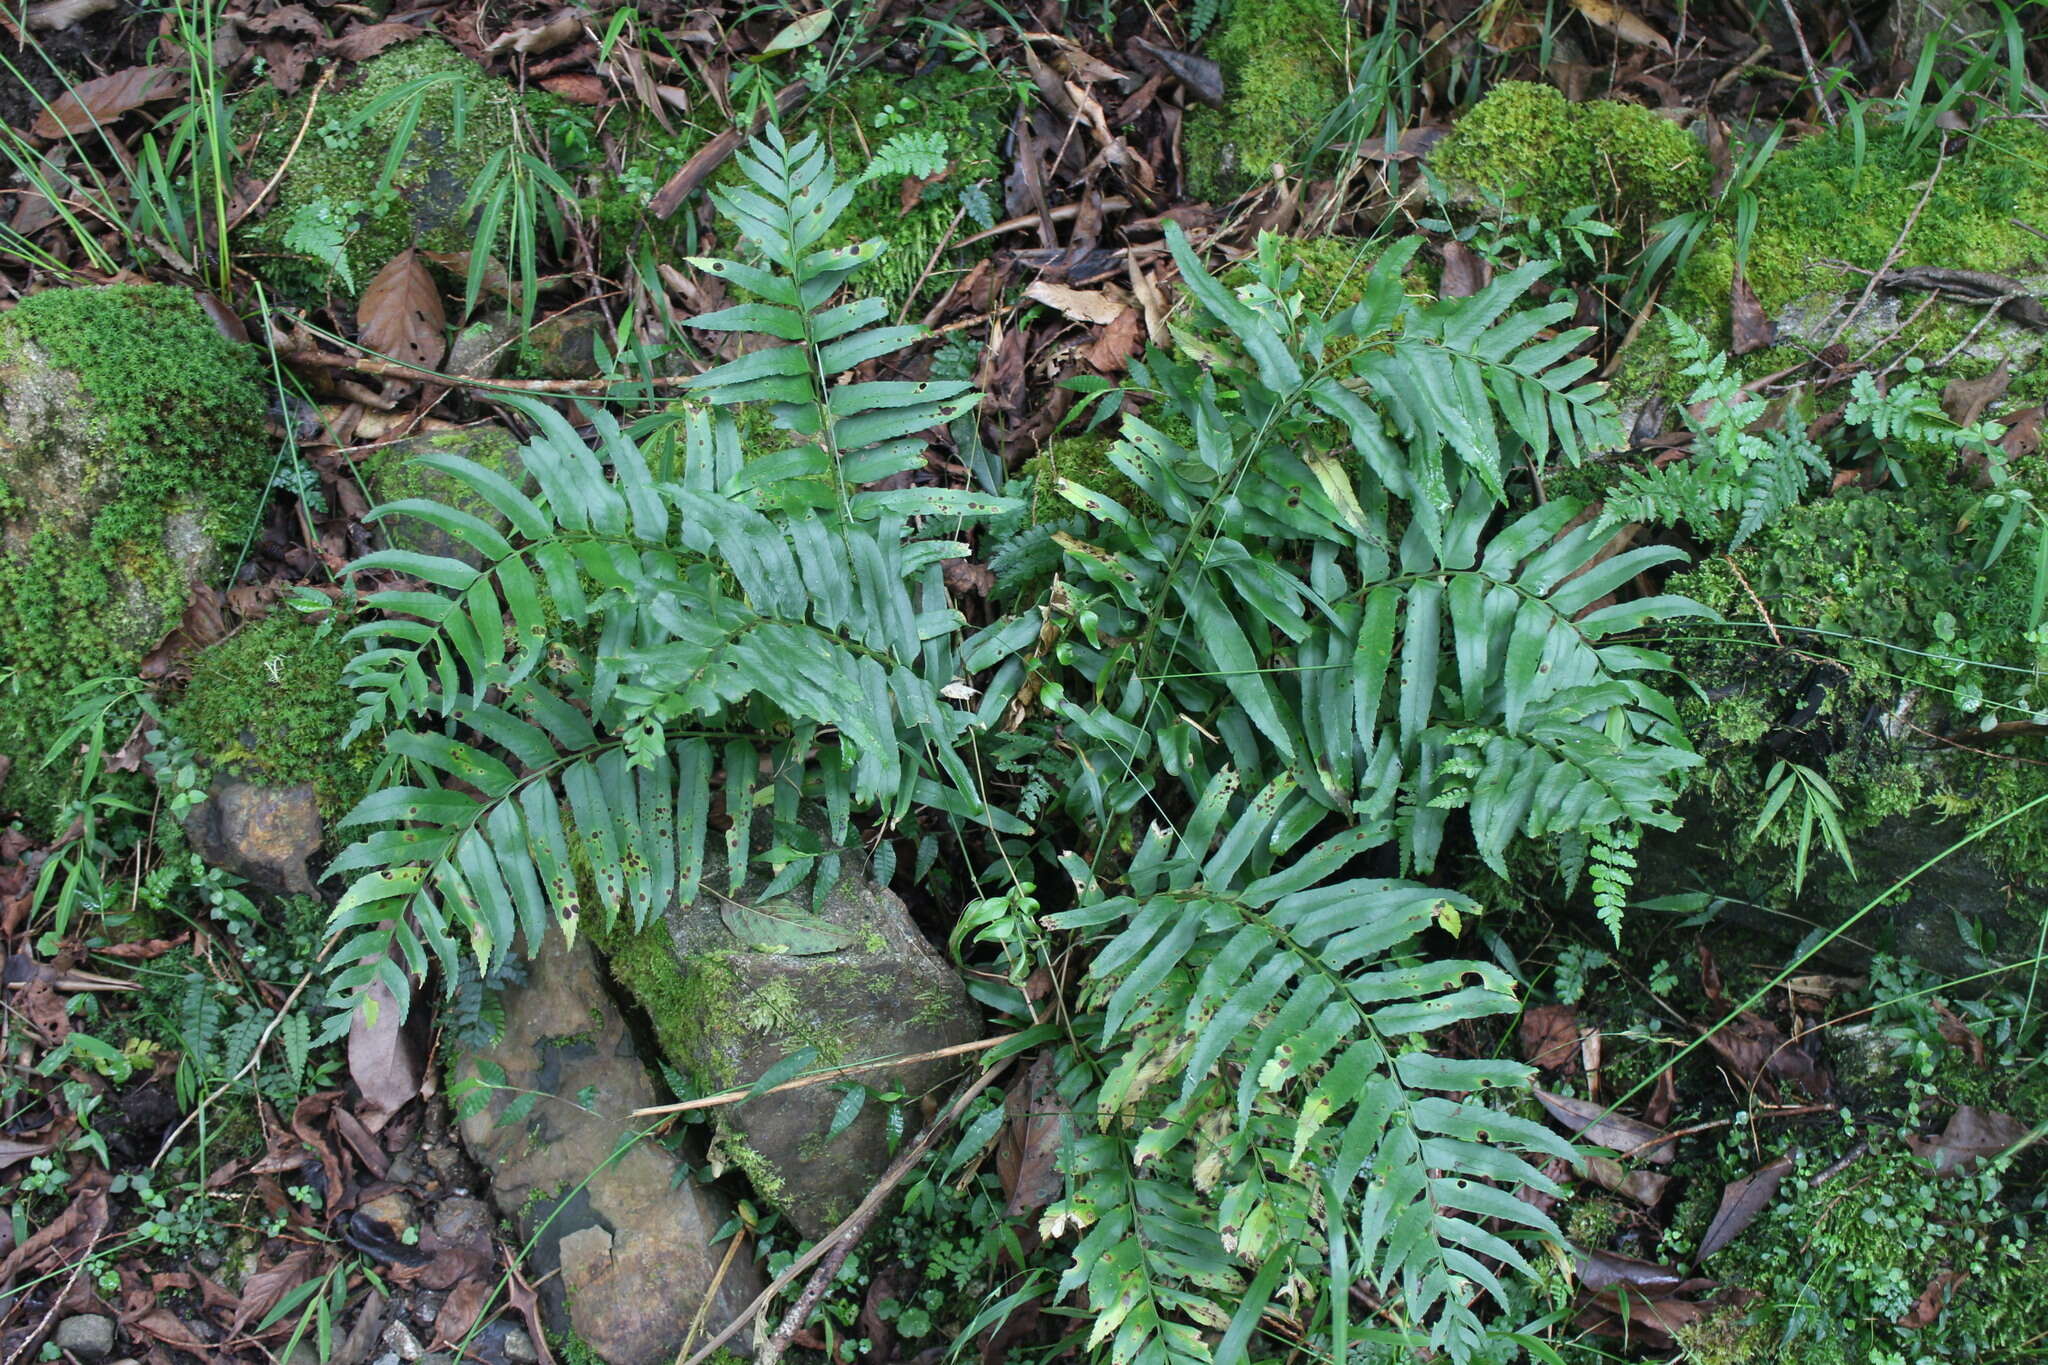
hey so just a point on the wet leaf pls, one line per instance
(105, 98)
(401, 315)
(1972, 1135)
(1741, 1201)
(1027, 1155)
(778, 926)
(1464, 273)
(383, 1060)
(802, 33)
(1597, 1125)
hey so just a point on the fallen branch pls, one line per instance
(725, 1097)
(856, 1222)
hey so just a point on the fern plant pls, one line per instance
(1317, 626)
(636, 638)
(1744, 468)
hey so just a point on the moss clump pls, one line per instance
(1082, 460)
(133, 443)
(336, 212)
(1541, 154)
(1838, 1264)
(1894, 586)
(1285, 69)
(268, 704)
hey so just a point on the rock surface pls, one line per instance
(260, 833)
(626, 1257)
(726, 1013)
(392, 473)
(89, 1336)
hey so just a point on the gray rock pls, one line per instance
(518, 1347)
(622, 1248)
(392, 473)
(481, 349)
(884, 994)
(261, 833)
(565, 345)
(400, 1338)
(89, 1336)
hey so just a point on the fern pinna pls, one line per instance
(1319, 625)
(631, 636)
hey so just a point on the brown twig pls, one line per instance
(713, 154)
(1743, 579)
(1820, 94)
(856, 1222)
(1898, 246)
(725, 1097)
(312, 103)
(392, 369)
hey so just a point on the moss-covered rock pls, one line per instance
(393, 472)
(390, 162)
(1540, 154)
(132, 447)
(1285, 69)
(725, 1010)
(268, 705)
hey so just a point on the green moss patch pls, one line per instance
(1537, 152)
(268, 704)
(1285, 70)
(135, 446)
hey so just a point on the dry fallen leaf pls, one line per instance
(1550, 1036)
(1464, 273)
(1741, 1201)
(105, 98)
(1596, 1124)
(361, 44)
(1965, 400)
(1623, 24)
(400, 314)
(564, 27)
(1645, 1187)
(1928, 1307)
(1099, 307)
(1972, 1135)
(383, 1060)
(1750, 328)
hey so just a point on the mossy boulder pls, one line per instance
(393, 472)
(1528, 147)
(390, 161)
(1897, 663)
(132, 448)
(725, 1010)
(1285, 69)
(268, 705)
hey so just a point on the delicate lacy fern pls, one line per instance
(918, 154)
(1742, 471)
(696, 608)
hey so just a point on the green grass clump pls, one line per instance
(113, 497)
(268, 704)
(1543, 155)
(1284, 71)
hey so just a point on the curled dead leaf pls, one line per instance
(1599, 1125)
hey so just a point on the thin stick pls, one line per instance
(1112, 204)
(312, 103)
(392, 369)
(1898, 246)
(255, 1056)
(732, 1249)
(725, 1097)
(1820, 94)
(860, 1217)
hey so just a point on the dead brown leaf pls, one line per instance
(1200, 77)
(1027, 1154)
(1741, 1201)
(54, 15)
(1118, 342)
(400, 315)
(565, 26)
(579, 87)
(1750, 328)
(1623, 24)
(1965, 400)
(12, 1151)
(1465, 274)
(383, 1060)
(262, 1290)
(1972, 1135)
(1598, 1125)
(1645, 1187)
(361, 44)
(1549, 1036)
(103, 99)
(2022, 433)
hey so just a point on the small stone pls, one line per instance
(89, 1336)
(400, 1338)
(462, 1220)
(388, 1358)
(426, 1306)
(262, 834)
(519, 1347)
